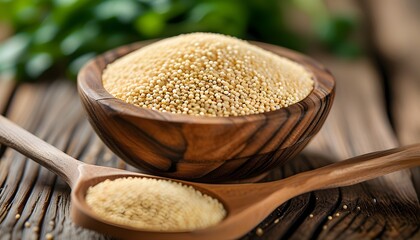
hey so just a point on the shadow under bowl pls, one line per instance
(206, 149)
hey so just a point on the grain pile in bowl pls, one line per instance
(207, 74)
(152, 204)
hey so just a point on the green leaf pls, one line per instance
(125, 11)
(227, 17)
(6, 10)
(12, 50)
(161, 6)
(46, 32)
(65, 12)
(78, 38)
(27, 13)
(78, 63)
(37, 64)
(336, 30)
(347, 50)
(150, 24)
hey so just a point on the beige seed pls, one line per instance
(27, 224)
(276, 221)
(358, 208)
(344, 207)
(324, 227)
(175, 70)
(49, 236)
(17, 216)
(35, 229)
(337, 214)
(311, 215)
(259, 232)
(51, 223)
(330, 217)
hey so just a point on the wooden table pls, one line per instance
(34, 202)
(387, 207)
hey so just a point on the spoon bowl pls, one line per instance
(246, 204)
(205, 149)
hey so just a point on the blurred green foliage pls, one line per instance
(59, 36)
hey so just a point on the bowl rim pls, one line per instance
(90, 85)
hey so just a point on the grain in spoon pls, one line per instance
(246, 204)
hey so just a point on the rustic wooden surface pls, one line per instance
(389, 206)
(385, 208)
(247, 204)
(399, 50)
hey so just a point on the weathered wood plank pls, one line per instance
(32, 191)
(6, 90)
(396, 33)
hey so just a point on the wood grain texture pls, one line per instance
(206, 149)
(246, 204)
(40, 197)
(397, 41)
(362, 119)
(41, 152)
(6, 90)
(30, 190)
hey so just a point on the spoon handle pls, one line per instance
(43, 153)
(358, 169)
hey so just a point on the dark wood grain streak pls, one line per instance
(204, 148)
(6, 91)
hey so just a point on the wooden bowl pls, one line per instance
(208, 149)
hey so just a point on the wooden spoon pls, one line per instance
(246, 204)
